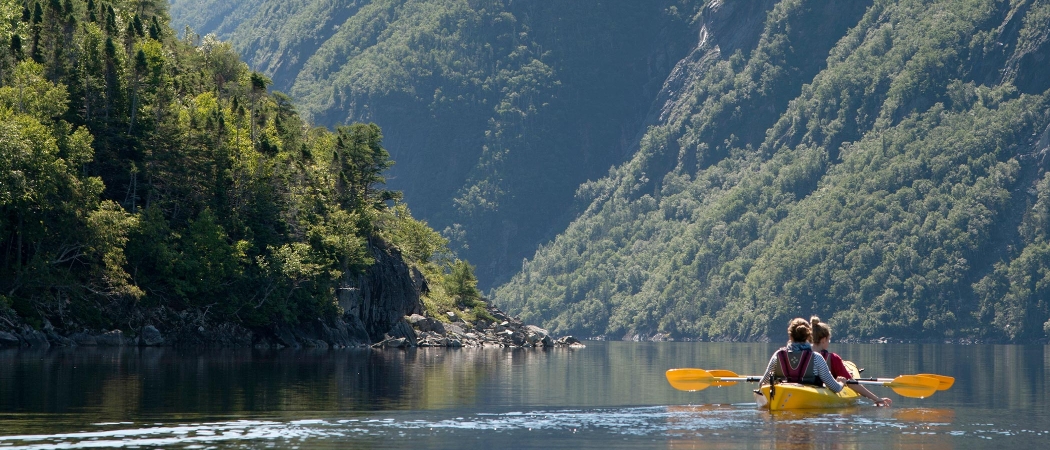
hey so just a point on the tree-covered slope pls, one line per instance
(494, 110)
(881, 164)
(144, 175)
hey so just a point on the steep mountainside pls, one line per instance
(882, 164)
(494, 111)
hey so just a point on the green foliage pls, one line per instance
(31, 94)
(451, 282)
(109, 226)
(462, 285)
(417, 241)
(360, 162)
(453, 288)
(498, 109)
(899, 191)
(139, 168)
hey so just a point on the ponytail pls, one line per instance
(821, 330)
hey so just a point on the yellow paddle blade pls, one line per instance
(944, 382)
(690, 379)
(722, 373)
(914, 386)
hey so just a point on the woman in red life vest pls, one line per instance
(821, 341)
(798, 363)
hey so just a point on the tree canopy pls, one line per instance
(496, 109)
(888, 175)
(142, 172)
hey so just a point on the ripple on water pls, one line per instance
(724, 423)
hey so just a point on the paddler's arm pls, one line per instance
(769, 369)
(860, 389)
(824, 373)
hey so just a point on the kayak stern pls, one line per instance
(799, 396)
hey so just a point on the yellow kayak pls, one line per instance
(802, 396)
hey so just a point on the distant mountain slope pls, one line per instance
(879, 163)
(882, 164)
(494, 111)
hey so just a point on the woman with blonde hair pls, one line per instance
(797, 362)
(821, 340)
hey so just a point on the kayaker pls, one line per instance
(821, 341)
(798, 363)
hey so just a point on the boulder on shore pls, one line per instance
(506, 331)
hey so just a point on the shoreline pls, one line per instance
(178, 330)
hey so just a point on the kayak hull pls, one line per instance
(799, 396)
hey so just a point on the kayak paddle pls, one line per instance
(944, 382)
(914, 386)
(699, 379)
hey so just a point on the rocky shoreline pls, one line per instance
(381, 308)
(506, 331)
(173, 330)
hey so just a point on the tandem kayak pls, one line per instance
(804, 396)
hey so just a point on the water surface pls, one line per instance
(608, 395)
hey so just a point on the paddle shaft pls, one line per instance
(870, 381)
(699, 379)
(749, 379)
(756, 379)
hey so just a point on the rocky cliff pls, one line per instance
(381, 307)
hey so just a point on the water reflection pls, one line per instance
(719, 426)
(608, 395)
(115, 383)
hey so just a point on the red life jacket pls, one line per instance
(836, 365)
(796, 367)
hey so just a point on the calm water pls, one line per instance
(608, 395)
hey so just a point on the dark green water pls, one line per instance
(608, 395)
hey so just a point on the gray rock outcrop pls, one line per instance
(506, 331)
(383, 295)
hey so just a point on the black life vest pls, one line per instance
(796, 367)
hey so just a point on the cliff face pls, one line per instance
(379, 299)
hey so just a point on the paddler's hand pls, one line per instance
(884, 402)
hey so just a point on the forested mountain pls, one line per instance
(146, 178)
(882, 164)
(879, 163)
(494, 111)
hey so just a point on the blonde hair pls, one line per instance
(821, 330)
(799, 330)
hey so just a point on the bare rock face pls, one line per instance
(150, 336)
(383, 295)
(114, 338)
(9, 340)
